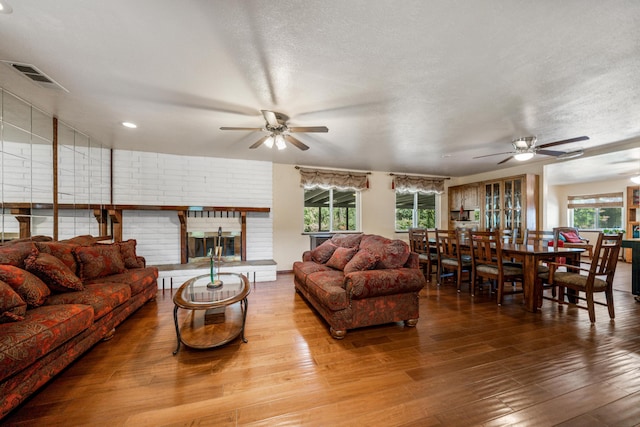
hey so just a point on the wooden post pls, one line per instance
(23, 216)
(55, 178)
(116, 223)
(101, 217)
(243, 229)
(182, 216)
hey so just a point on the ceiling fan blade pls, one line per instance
(551, 152)
(309, 129)
(296, 142)
(564, 141)
(259, 142)
(505, 160)
(234, 128)
(494, 154)
(271, 118)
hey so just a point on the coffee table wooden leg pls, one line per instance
(175, 321)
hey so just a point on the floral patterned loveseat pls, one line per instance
(58, 299)
(356, 280)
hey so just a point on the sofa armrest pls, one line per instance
(413, 261)
(142, 260)
(373, 283)
(306, 256)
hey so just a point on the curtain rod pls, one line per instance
(332, 170)
(420, 176)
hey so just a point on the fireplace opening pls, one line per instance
(201, 244)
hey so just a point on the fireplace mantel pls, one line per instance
(114, 212)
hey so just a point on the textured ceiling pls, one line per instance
(410, 86)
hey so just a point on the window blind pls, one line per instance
(606, 200)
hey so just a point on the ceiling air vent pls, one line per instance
(32, 73)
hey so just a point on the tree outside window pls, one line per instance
(330, 210)
(415, 210)
(598, 211)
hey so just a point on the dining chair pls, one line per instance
(451, 260)
(427, 256)
(572, 239)
(488, 263)
(590, 277)
(540, 238)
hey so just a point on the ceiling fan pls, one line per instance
(525, 148)
(279, 132)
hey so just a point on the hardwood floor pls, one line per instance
(468, 362)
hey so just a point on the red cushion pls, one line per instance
(53, 272)
(571, 237)
(12, 307)
(128, 252)
(31, 289)
(323, 252)
(363, 260)
(340, 257)
(62, 251)
(98, 261)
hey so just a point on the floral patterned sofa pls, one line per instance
(356, 280)
(58, 299)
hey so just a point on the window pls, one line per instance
(330, 210)
(597, 211)
(415, 210)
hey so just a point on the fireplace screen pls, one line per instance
(201, 242)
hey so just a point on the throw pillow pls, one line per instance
(53, 272)
(347, 240)
(15, 253)
(390, 253)
(12, 307)
(61, 250)
(98, 261)
(84, 240)
(340, 257)
(363, 260)
(571, 237)
(128, 252)
(322, 253)
(31, 289)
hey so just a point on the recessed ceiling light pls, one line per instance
(129, 125)
(5, 7)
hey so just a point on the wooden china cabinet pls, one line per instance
(510, 203)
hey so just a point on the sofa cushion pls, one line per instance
(302, 269)
(138, 279)
(15, 253)
(390, 253)
(12, 307)
(323, 252)
(53, 272)
(43, 329)
(103, 297)
(347, 240)
(340, 258)
(327, 287)
(62, 251)
(84, 240)
(98, 261)
(128, 252)
(571, 237)
(362, 260)
(30, 288)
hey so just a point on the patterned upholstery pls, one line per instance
(28, 286)
(98, 261)
(12, 307)
(53, 272)
(368, 292)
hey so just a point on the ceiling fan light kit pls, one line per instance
(279, 132)
(525, 148)
(635, 179)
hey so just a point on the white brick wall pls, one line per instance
(165, 179)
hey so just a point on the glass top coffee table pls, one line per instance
(216, 315)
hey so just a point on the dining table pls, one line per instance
(530, 256)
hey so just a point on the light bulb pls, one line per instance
(523, 156)
(280, 142)
(635, 179)
(269, 142)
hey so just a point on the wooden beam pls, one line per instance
(55, 178)
(23, 216)
(243, 225)
(103, 222)
(116, 224)
(182, 216)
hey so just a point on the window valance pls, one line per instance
(607, 200)
(326, 179)
(418, 184)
